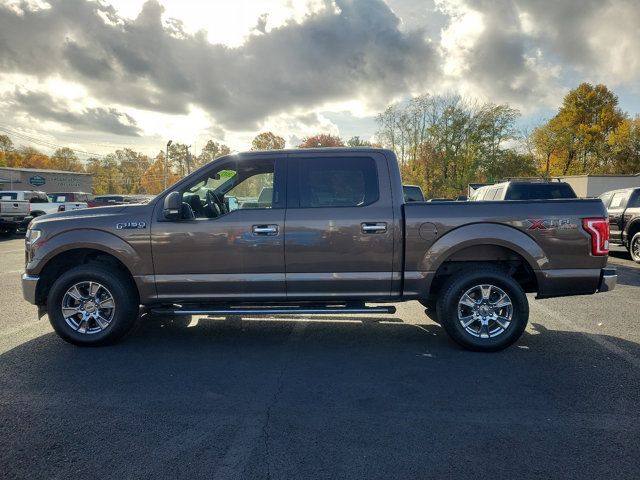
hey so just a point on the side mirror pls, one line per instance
(172, 204)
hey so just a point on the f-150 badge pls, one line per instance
(131, 225)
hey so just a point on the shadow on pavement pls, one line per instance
(295, 399)
(628, 275)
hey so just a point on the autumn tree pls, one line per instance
(152, 181)
(5, 144)
(29, 157)
(624, 144)
(210, 152)
(321, 141)
(267, 141)
(578, 135)
(66, 159)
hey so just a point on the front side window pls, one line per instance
(236, 185)
(337, 182)
(618, 200)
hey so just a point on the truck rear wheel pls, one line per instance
(483, 309)
(634, 247)
(92, 305)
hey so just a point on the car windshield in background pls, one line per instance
(539, 191)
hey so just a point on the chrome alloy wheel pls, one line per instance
(88, 307)
(635, 247)
(485, 311)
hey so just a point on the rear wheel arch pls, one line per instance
(485, 244)
(632, 229)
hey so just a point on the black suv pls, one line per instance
(624, 218)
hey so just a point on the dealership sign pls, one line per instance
(37, 181)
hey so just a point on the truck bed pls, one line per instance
(546, 234)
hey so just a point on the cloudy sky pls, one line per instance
(100, 75)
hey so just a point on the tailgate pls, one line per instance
(13, 208)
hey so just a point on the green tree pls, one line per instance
(358, 142)
(267, 141)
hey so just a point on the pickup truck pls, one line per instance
(40, 203)
(335, 236)
(12, 212)
(524, 190)
(624, 218)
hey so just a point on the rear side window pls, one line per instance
(539, 191)
(39, 198)
(337, 182)
(619, 200)
(8, 196)
(412, 194)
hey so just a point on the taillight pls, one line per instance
(598, 228)
(61, 208)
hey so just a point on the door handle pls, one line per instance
(265, 229)
(374, 227)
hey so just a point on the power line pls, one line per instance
(45, 143)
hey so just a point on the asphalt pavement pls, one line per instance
(324, 399)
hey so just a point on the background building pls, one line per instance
(48, 181)
(595, 185)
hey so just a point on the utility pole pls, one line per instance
(188, 160)
(166, 163)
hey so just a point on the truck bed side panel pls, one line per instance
(547, 234)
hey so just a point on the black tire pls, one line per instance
(634, 248)
(452, 293)
(120, 287)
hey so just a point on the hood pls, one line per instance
(94, 215)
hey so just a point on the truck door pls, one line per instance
(339, 237)
(616, 210)
(233, 247)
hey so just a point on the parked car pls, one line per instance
(106, 200)
(523, 190)
(624, 218)
(39, 204)
(13, 212)
(334, 234)
(412, 193)
(73, 197)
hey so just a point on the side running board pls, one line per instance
(274, 311)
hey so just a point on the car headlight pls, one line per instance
(32, 236)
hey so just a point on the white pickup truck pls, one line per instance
(37, 204)
(12, 212)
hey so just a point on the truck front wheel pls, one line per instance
(92, 305)
(483, 309)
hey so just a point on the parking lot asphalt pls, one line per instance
(318, 398)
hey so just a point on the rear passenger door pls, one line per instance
(339, 227)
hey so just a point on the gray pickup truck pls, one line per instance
(318, 231)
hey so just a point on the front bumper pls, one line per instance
(29, 285)
(608, 280)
